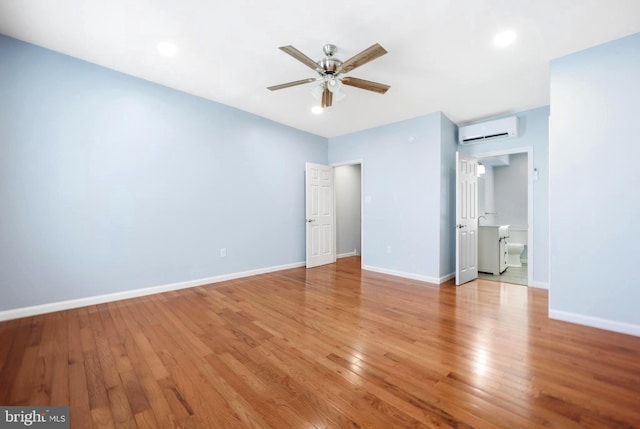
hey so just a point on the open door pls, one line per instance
(320, 217)
(466, 218)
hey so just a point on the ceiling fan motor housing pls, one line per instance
(329, 65)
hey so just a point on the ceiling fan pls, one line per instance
(331, 70)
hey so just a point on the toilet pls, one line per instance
(515, 246)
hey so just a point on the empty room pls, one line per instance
(319, 215)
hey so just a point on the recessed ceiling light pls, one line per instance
(317, 110)
(504, 38)
(167, 48)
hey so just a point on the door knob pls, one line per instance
(460, 226)
(310, 220)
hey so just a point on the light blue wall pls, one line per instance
(402, 175)
(448, 135)
(594, 202)
(534, 132)
(110, 183)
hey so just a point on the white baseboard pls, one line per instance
(412, 276)
(540, 285)
(101, 299)
(447, 277)
(346, 255)
(595, 322)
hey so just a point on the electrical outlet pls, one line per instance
(223, 252)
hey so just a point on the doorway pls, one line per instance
(348, 205)
(333, 209)
(505, 197)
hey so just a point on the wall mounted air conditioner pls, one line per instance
(490, 130)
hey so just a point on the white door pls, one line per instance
(466, 218)
(320, 221)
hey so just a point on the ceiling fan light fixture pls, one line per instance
(338, 95)
(317, 90)
(334, 84)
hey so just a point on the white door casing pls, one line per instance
(320, 215)
(466, 218)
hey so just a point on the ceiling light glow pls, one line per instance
(167, 48)
(504, 38)
(317, 110)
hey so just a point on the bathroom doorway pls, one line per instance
(505, 197)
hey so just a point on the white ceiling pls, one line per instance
(441, 55)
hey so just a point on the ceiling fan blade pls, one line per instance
(327, 97)
(380, 88)
(300, 57)
(288, 84)
(369, 54)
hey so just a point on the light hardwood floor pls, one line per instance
(330, 347)
(515, 275)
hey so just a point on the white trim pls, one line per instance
(345, 163)
(595, 322)
(346, 255)
(447, 277)
(540, 285)
(412, 276)
(117, 296)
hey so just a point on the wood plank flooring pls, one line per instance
(329, 347)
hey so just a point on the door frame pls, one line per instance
(530, 179)
(362, 240)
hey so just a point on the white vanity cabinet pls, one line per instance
(492, 248)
